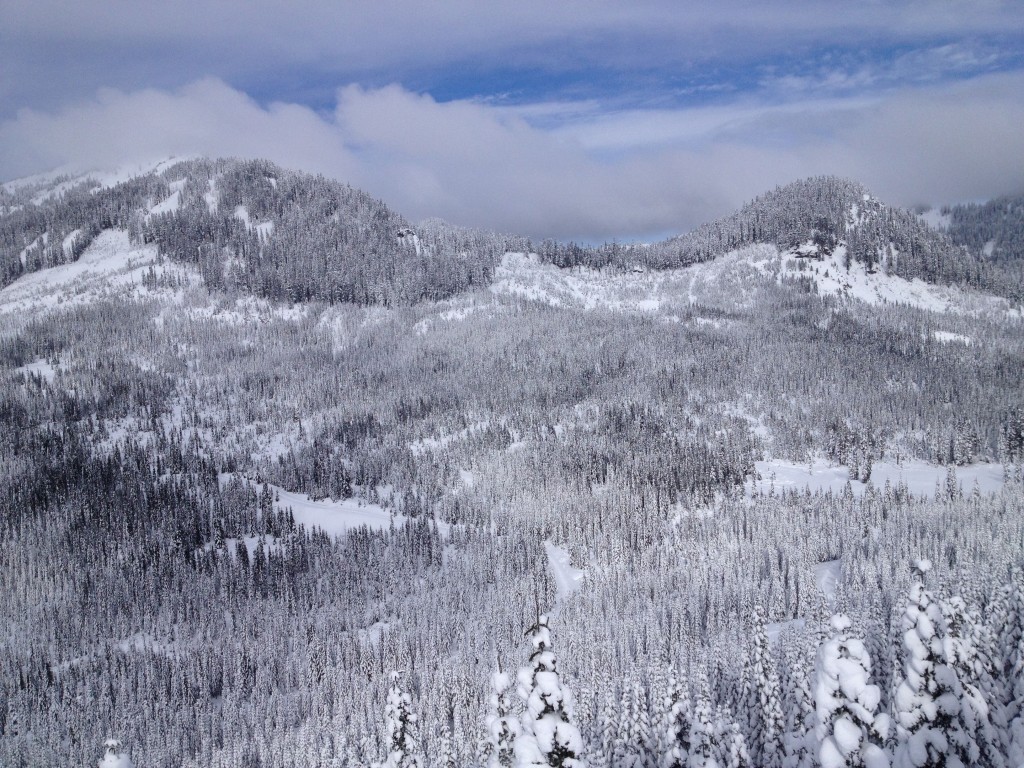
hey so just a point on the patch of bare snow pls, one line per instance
(169, 205)
(43, 368)
(828, 576)
(919, 477)
(109, 265)
(567, 578)
(946, 337)
(210, 196)
(430, 444)
(335, 518)
(832, 278)
(733, 278)
(68, 243)
(242, 214)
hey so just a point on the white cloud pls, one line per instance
(566, 170)
(206, 117)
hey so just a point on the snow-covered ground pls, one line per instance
(335, 518)
(920, 477)
(101, 179)
(832, 278)
(730, 280)
(264, 228)
(935, 219)
(828, 576)
(568, 579)
(43, 368)
(109, 266)
(170, 205)
(428, 444)
(946, 337)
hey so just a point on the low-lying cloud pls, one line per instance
(589, 174)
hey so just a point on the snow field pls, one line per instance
(335, 518)
(920, 477)
(110, 266)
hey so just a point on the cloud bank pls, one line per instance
(567, 169)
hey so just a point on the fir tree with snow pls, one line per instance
(928, 701)
(675, 738)
(734, 748)
(850, 730)
(965, 647)
(503, 727)
(632, 749)
(401, 729)
(798, 744)
(549, 737)
(704, 744)
(762, 705)
(1008, 622)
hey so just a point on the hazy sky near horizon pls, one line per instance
(587, 120)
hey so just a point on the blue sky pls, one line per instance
(587, 120)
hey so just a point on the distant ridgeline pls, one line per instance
(253, 226)
(829, 212)
(996, 230)
(256, 227)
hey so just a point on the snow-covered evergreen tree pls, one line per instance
(549, 737)
(445, 753)
(503, 727)
(1008, 625)
(762, 704)
(632, 748)
(675, 736)
(734, 747)
(704, 744)
(965, 650)
(850, 731)
(928, 701)
(401, 729)
(799, 744)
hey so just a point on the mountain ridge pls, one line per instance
(315, 238)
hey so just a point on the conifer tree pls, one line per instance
(548, 737)
(503, 727)
(762, 700)
(850, 730)
(927, 702)
(675, 739)
(704, 744)
(799, 746)
(401, 731)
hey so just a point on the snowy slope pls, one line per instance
(832, 277)
(734, 281)
(109, 267)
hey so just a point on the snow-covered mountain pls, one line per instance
(280, 469)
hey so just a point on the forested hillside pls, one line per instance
(994, 229)
(253, 226)
(287, 480)
(828, 213)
